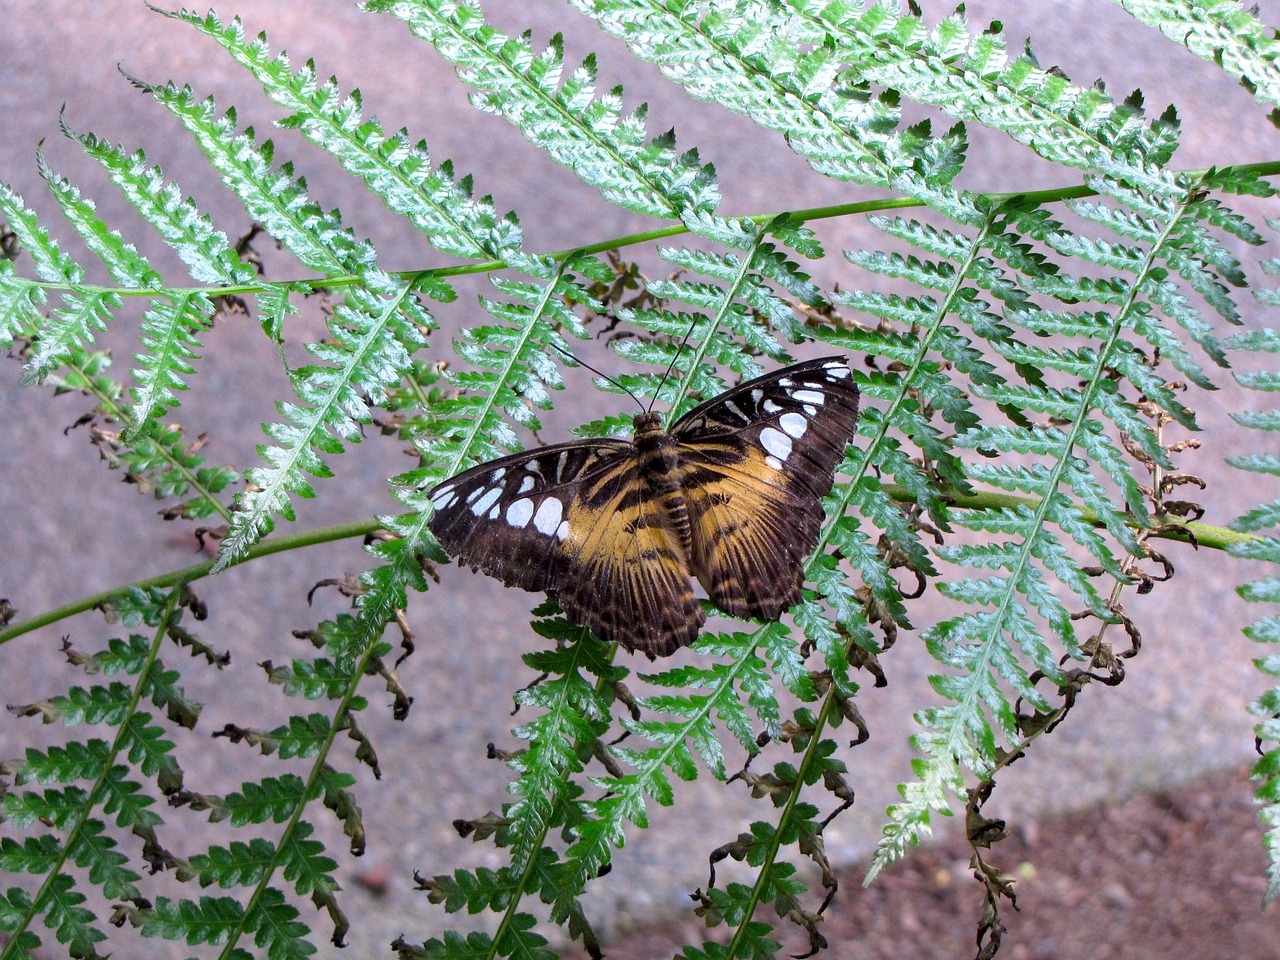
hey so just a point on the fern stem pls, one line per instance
(793, 797)
(91, 799)
(1171, 528)
(517, 896)
(1200, 534)
(263, 548)
(1267, 168)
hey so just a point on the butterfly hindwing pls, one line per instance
(575, 520)
(630, 578)
(749, 537)
(756, 462)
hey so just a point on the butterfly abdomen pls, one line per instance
(660, 466)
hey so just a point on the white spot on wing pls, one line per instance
(444, 498)
(520, 513)
(562, 531)
(793, 425)
(489, 498)
(757, 395)
(770, 407)
(836, 369)
(736, 410)
(775, 442)
(547, 519)
(807, 396)
(493, 514)
(527, 484)
(498, 474)
(786, 382)
(774, 462)
(810, 409)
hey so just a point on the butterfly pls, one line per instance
(617, 530)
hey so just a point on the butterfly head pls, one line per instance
(647, 424)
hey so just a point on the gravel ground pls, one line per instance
(1178, 873)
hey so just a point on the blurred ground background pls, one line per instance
(67, 528)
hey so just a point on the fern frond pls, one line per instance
(188, 232)
(733, 279)
(373, 331)
(737, 681)
(587, 133)
(573, 713)
(839, 126)
(168, 331)
(171, 326)
(153, 457)
(208, 920)
(1006, 353)
(266, 913)
(397, 170)
(515, 364)
(1264, 521)
(1221, 32)
(970, 77)
(112, 790)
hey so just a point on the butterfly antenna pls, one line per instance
(604, 376)
(671, 366)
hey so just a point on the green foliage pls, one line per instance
(1016, 384)
(1263, 521)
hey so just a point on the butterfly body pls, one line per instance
(618, 530)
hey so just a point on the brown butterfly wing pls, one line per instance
(756, 462)
(575, 520)
(503, 517)
(579, 520)
(630, 578)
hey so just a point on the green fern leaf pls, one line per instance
(307, 868)
(239, 864)
(59, 764)
(95, 852)
(208, 920)
(1263, 520)
(36, 855)
(586, 133)
(72, 923)
(276, 928)
(435, 201)
(271, 799)
(1221, 32)
(58, 808)
(14, 905)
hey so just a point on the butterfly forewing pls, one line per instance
(576, 521)
(756, 463)
(600, 526)
(509, 517)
